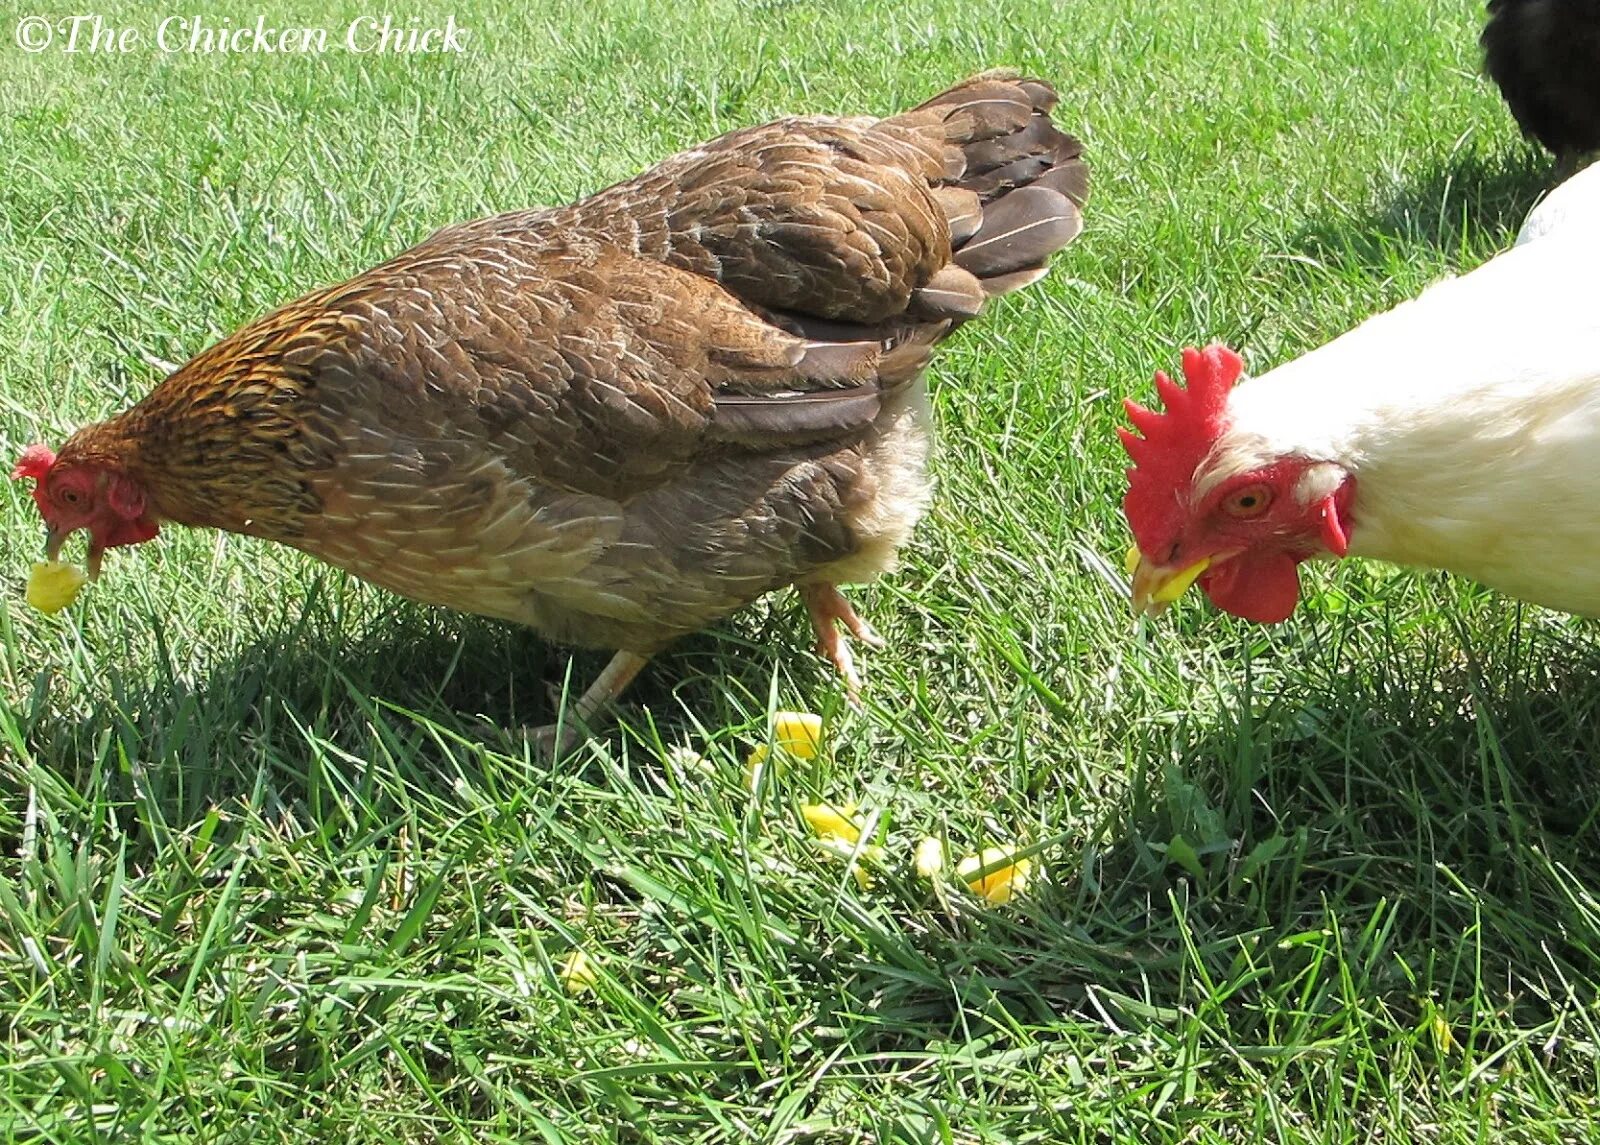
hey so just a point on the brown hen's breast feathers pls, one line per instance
(622, 419)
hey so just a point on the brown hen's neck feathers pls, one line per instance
(228, 440)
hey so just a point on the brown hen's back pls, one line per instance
(620, 420)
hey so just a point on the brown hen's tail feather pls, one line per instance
(1015, 183)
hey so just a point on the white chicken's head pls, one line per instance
(1220, 511)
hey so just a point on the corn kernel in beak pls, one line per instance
(52, 585)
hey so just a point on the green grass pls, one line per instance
(275, 866)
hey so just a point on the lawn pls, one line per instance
(276, 864)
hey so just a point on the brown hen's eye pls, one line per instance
(1251, 501)
(70, 496)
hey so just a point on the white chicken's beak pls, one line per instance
(1156, 586)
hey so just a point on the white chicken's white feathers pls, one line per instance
(1574, 205)
(1469, 416)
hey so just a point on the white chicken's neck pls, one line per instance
(1470, 419)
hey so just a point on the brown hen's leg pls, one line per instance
(828, 610)
(557, 739)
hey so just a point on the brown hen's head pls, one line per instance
(84, 489)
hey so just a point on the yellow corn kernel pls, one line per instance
(754, 764)
(577, 973)
(860, 858)
(687, 761)
(798, 733)
(929, 858)
(829, 822)
(52, 585)
(795, 735)
(1000, 885)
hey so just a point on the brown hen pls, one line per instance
(621, 420)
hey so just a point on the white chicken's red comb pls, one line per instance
(1175, 441)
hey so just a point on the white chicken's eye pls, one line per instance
(1251, 501)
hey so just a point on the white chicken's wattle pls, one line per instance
(1459, 431)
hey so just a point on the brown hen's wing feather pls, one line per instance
(851, 219)
(593, 370)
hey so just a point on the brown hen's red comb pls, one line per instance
(35, 462)
(1175, 442)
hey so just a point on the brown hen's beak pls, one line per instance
(53, 540)
(1156, 586)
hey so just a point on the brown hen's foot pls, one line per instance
(828, 610)
(554, 740)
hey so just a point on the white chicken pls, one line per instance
(1459, 431)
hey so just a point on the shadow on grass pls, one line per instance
(1465, 200)
(1388, 837)
(307, 689)
(1392, 828)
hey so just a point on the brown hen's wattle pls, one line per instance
(620, 420)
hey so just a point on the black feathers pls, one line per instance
(1544, 55)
